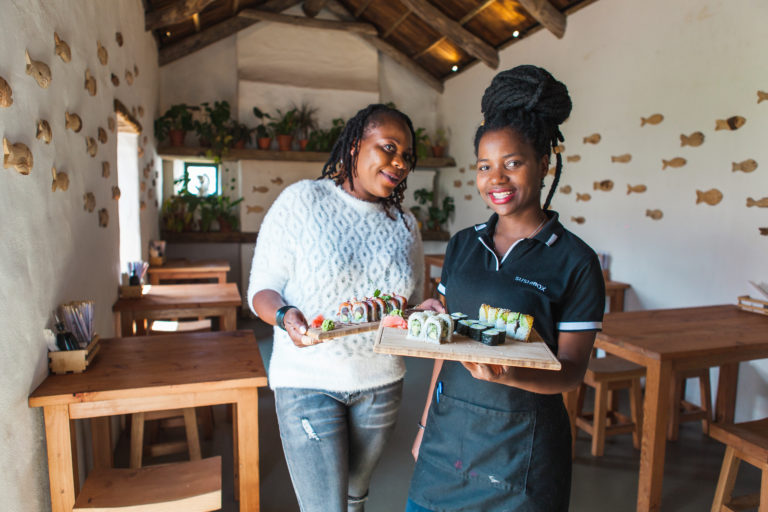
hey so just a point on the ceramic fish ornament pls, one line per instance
(141, 111)
(573, 158)
(39, 71)
(151, 193)
(141, 152)
(654, 214)
(468, 197)
(605, 185)
(133, 111)
(695, 139)
(462, 170)
(762, 96)
(102, 53)
(105, 169)
(654, 119)
(592, 139)
(732, 123)
(143, 186)
(763, 231)
(559, 148)
(583, 197)
(119, 38)
(91, 147)
(89, 202)
(145, 139)
(622, 159)
(60, 180)
(675, 163)
(90, 83)
(44, 131)
(111, 124)
(279, 181)
(115, 80)
(145, 171)
(6, 94)
(470, 182)
(711, 196)
(551, 172)
(760, 203)
(17, 156)
(73, 122)
(115, 192)
(128, 77)
(135, 70)
(142, 205)
(260, 189)
(62, 48)
(637, 189)
(103, 218)
(254, 209)
(102, 135)
(745, 166)
(578, 220)
(457, 183)
(566, 189)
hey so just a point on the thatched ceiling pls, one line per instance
(433, 38)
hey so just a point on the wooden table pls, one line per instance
(173, 270)
(154, 373)
(429, 261)
(667, 340)
(173, 301)
(615, 291)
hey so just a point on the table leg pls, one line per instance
(228, 321)
(60, 465)
(247, 420)
(221, 277)
(725, 403)
(658, 380)
(101, 438)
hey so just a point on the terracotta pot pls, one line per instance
(239, 144)
(303, 144)
(264, 142)
(177, 137)
(438, 151)
(284, 142)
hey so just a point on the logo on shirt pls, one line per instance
(531, 283)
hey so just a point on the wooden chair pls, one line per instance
(608, 375)
(748, 442)
(683, 410)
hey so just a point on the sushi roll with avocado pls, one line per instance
(462, 327)
(458, 316)
(433, 330)
(447, 332)
(345, 312)
(511, 325)
(492, 337)
(482, 316)
(476, 330)
(501, 319)
(416, 325)
(360, 311)
(524, 327)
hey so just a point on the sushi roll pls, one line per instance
(501, 319)
(462, 327)
(525, 324)
(447, 332)
(433, 330)
(360, 311)
(416, 326)
(476, 331)
(511, 326)
(458, 316)
(491, 314)
(492, 337)
(392, 304)
(483, 314)
(345, 312)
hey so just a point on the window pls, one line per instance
(201, 179)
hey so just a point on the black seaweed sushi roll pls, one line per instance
(476, 331)
(458, 316)
(462, 327)
(492, 337)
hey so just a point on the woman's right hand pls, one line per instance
(296, 327)
(417, 444)
(431, 305)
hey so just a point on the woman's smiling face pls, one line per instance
(509, 173)
(384, 159)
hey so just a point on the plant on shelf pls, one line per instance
(422, 144)
(438, 148)
(213, 130)
(323, 140)
(241, 134)
(284, 126)
(263, 131)
(305, 123)
(436, 216)
(174, 124)
(221, 209)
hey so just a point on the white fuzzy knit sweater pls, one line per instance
(318, 247)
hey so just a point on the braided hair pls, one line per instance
(532, 102)
(342, 164)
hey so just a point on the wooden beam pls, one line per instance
(196, 20)
(346, 26)
(125, 117)
(180, 11)
(546, 14)
(363, 6)
(312, 7)
(217, 32)
(463, 21)
(453, 31)
(396, 24)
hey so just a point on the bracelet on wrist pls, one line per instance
(280, 316)
(421, 427)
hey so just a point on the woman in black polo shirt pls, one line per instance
(498, 438)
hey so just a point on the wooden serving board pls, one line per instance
(530, 354)
(341, 330)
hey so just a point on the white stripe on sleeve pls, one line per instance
(441, 288)
(579, 326)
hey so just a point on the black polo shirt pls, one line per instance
(554, 276)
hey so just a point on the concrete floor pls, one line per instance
(607, 483)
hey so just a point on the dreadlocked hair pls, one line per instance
(342, 164)
(532, 102)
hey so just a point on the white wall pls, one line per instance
(52, 250)
(693, 61)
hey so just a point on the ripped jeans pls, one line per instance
(332, 442)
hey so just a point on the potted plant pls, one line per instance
(263, 131)
(422, 144)
(323, 140)
(174, 124)
(438, 148)
(214, 131)
(222, 210)
(284, 127)
(436, 216)
(305, 123)
(241, 134)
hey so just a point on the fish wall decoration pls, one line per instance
(732, 123)
(652, 119)
(578, 220)
(90, 83)
(763, 231)
(151, 193)
(141, 152)
(61, 48)
(605, 185)
(91, 147)
(637, 189)
(44, 131)
(119, 38)
(111, 124)
(710, 197)
(745, 166)
(583, 197)
(102, 135)
(760, 203)
(101, 52)
(105, 169)
(279, 181)
(470, 183)
(565, 189)
(654, 214)
(73, 122)
(17, 156)
(89, 202)
(103, 218)
(39, 71)
(695, 139)
(260, 189)
(115, 80)
(675, 163)
(143, 186)
(142, 205)
(60, 180)
(135, 70)
(573, 158)
(468, 197)
(115, 192)
(462, 170)
(128, 77)
(141, 111)
(145, 171)
(592, 139)
(621, 159)
(560, 148)
(254, 209)
(457, 183)
(6, 94)
(551, 172)
(762, 96)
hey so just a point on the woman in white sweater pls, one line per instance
(322, 243)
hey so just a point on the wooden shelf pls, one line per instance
(435, 236)
(197, 154)
(210, 237)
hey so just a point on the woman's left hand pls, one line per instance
(489, 372)
(431, 305)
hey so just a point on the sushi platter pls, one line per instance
(531, 354)
(340, 329)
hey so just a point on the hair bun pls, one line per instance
(530, 88)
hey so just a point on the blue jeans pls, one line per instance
(332, 442)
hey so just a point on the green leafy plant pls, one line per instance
(436, 216)
(221, 209)
(323, 140)
(440, 138)
(214, 129)
(285, 123)
(240, 132)
(178, 117)
(305, 120)
(263, 130)
(423, 145)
